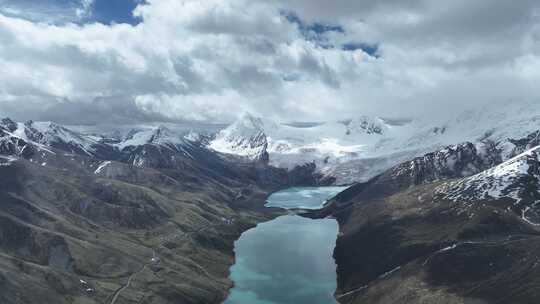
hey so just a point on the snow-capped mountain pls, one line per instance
(350, 151)
(291, 145)
(142, 147)
(12, 145)
(451, 162)
(246, 137)
(360, 148)
(160, 135)
(516, 181)
(48, 134)
(51, 134)
(156, 147)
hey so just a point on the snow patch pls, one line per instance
(496, 182)
(102, 166)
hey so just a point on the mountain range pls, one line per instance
(438, 211)
(357, 149)
(85, 217)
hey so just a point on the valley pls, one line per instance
(79, 228)
(269, 152)
(288, 259)
(152, 214)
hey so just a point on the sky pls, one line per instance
(129, 61)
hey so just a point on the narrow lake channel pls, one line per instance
(288, 260)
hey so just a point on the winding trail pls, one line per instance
(119, 291)
(128, 283)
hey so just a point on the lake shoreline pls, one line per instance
(293, 258)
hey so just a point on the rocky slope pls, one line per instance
(13, 146)
(447, 227)
(517, 180)
(151, 218)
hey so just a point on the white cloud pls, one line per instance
(214, 59)
(85, 10)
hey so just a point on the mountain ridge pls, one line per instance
(431, 231)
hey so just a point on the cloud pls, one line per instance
(85, 10)
(290, 60)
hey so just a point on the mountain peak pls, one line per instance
(245, 137)
(161, 131)
(164, 135)
(9, 124)
(160, 135)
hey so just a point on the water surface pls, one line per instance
(303, 197)
(288, 260)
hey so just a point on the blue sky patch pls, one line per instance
(370, 49)
(64, 11)
(114, 11)
(315, 32)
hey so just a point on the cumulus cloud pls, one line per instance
(290, 60)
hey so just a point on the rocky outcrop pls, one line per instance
(452, 162)
(12, 145)
(307, 175)
(367, 125)
(523, 144)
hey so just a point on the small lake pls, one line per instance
(288, 260)
(303, 197)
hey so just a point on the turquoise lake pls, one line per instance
(288, 260)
